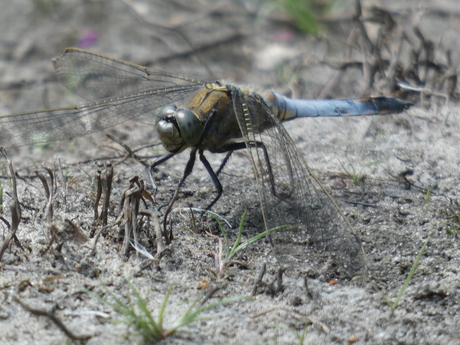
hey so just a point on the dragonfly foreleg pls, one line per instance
(160, 160)
(187, 171)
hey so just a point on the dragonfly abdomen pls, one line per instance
(286, 109)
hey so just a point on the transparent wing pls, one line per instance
(129, 91)
(290, 194)
(95, 76)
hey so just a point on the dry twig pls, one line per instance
(104, 189)
(15, 210)
(50, 315)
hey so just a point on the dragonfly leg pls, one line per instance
(229, 148)
(187, 171)
(224, 162)
(160, 160)
(214, 177)
(239, 146)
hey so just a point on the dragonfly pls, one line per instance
(210, 116)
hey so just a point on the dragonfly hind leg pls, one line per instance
(229, 149)
(224, 162)
(239, 146)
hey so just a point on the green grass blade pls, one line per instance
(193, 314)
(222, 229)
(240, 233)
(162, 311)
(146, 320)
(259, 236)
(136, 314)
(411, 273)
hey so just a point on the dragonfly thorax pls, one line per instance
(178, 128)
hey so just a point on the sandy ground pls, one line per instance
(250, 44)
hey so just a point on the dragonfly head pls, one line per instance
(178, 128)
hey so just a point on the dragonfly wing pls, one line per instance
(63, 123)
(94, 76)
(120, 91)
(290, 193)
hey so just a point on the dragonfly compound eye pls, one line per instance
(168, 130)
(178, 129)
(165, 112)
(190, 127)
